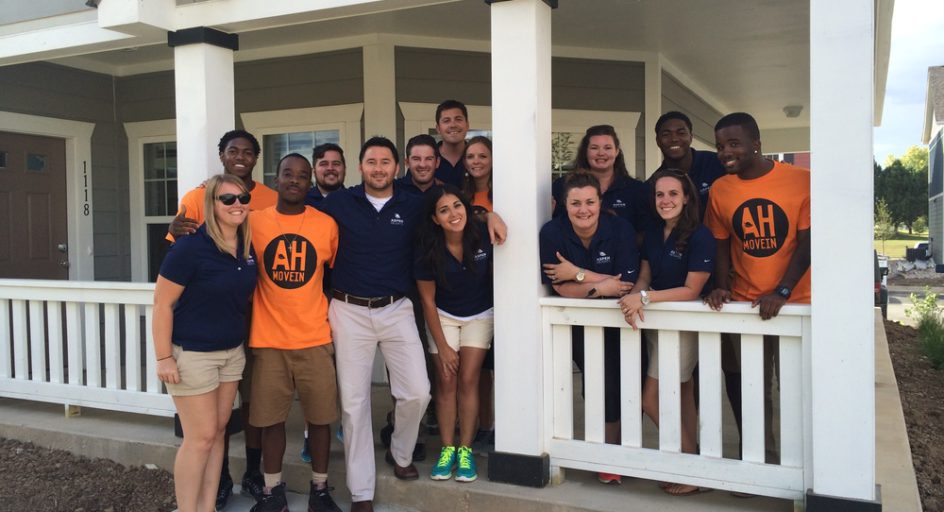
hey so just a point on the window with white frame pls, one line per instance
(277, 145)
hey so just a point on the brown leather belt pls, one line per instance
(367, 302)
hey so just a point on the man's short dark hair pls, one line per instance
(421, 140)
(319, 152)
(293, 155)
(450, 104)
(379, 141)
(239, 134)
(742, 119)
(673, 114)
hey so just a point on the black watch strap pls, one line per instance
(783, 291)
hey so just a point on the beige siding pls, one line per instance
(430, 76)
(676, 96)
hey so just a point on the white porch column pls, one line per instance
(842, 369)
(521, 126)
(380, 93)
(653, 95)
(205, 103)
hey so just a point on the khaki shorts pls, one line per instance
(688, 354)
(277, 374)
(464, 333)
(202, 372)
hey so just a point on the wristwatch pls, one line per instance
(644, 297)
(783, 291)
(580, 275)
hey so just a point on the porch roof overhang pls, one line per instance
(934, 102)
(760, 67)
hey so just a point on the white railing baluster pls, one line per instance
(74, 332)
(593, 384)
(670, 414)
(791, 401)
(112, 347)
(132, 347)
(630, 388)
(37, 341)
(709, 391)
(54, 329)
(93, 346)
(563, 382)
(6, 355)
(752, 397)
(20, 341)
(153, 385)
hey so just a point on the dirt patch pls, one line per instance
(41, 479)
(922, 398)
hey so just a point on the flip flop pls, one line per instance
(672, 490)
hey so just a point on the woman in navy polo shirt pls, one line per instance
(589, 254)
(677, 260)
(599, 154)
(201, 306)
(453, 274)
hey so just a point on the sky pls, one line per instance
(917, 43)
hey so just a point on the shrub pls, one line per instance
(930, 320)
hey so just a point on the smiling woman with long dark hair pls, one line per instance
(454, 277)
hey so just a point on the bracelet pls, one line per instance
(163, 358)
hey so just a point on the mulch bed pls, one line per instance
(41, 479)
(922, 397)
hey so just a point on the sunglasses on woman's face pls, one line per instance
(229, 199)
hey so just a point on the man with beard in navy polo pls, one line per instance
(329, 169)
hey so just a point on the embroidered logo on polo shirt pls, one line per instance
(479, 255)
(704, 188)
(675, 254)
(761, 225)
(250, 261)
(396, 220)
(619, 204)
(290, 261)
(603, 258)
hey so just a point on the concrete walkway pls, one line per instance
(138, 439)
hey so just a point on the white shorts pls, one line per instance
(688, 354)
(474, 333)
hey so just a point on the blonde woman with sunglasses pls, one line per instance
(201, 307)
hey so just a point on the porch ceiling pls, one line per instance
(739, 56)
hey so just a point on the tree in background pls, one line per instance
(884, 225)
(903, 185)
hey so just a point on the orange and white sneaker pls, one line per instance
(609, 478)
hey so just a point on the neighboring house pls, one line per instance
(106, 114)
(933, 136)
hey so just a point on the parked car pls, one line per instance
(881, 285)
(923, 250)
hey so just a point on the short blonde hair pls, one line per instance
(209, 208)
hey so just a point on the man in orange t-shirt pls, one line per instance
(760, 214)
(239, 151)
(290, 337)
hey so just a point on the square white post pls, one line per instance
(843, 371)
(380, 93)
(205, 103)
(521, 127)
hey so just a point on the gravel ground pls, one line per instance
(922, 398)
(39, 479)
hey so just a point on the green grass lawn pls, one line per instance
(895, 248)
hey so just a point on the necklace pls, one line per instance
(275, 216)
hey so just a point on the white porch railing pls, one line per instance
(789, 479)
(80, 343)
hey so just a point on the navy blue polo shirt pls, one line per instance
(375, 249)
(670, 267)
(627, 198)
(612, 249)
(448, 173)
(211, 313)
(314, 197)
(465, 291)
(706, 168)
(406, 184)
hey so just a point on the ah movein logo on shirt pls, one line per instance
(290, 261)
(761, 225)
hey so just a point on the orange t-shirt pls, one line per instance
(289, 307)
(481, 199)
(761, 218)
(261, 197)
